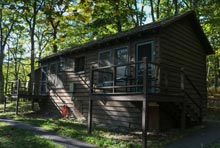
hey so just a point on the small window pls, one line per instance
(43, 83)
(80, 64)
(53, 68)
(105, 59)
(54, 80)
(121, 56)
(66, 64)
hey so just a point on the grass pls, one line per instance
(72, 129)
(100, 137)
(12, 137)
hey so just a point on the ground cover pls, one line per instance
(12, 137)
(100, 137)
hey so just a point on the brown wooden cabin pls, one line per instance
(111, 79)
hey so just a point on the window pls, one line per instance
(53, 78)
(80, 64)
(43, 83)
(53, 68)
(105, 59)
(121, 57)
(66, 64)
(144, 49)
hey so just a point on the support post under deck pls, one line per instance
(183, 112)
(17, 99)
(32, 95)
(145, 104)
(90, 102)
(90, 116)
(144, 124)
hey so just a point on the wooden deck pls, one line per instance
(145, 89)
(17, 90)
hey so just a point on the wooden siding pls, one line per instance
(176, 46)
(180, 47)
(123, 114)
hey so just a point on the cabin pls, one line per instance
(149, 77)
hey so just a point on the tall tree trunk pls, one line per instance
(55, 47)
(1, 61)
(1, 77)
(152, 10)
(118, 21)
(136, 15)
(158, 9)
(142, 13)
(2, 47)
(176, 7)
(32, 31)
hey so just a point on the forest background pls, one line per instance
(33, 29)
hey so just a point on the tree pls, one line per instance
(54, 11)
(30, 10)
(6, 27)
(209, 15)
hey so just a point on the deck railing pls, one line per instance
(18, 87)
(130, 78)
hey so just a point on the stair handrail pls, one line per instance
(184, 75)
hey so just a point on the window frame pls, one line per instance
(77, 64)
(101, 52)
(54, 77)
(117, 49)
(44, 82)
(64, 64)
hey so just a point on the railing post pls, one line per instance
(183, 112)
(114, 79)
(182, 76)
(90, 101)
(166, 81)
(145, 76)
(17, 99)
(145, 103)
(32, 95)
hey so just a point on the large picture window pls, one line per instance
(106, 59)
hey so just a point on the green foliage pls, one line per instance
(56, 25)
(13, 137)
